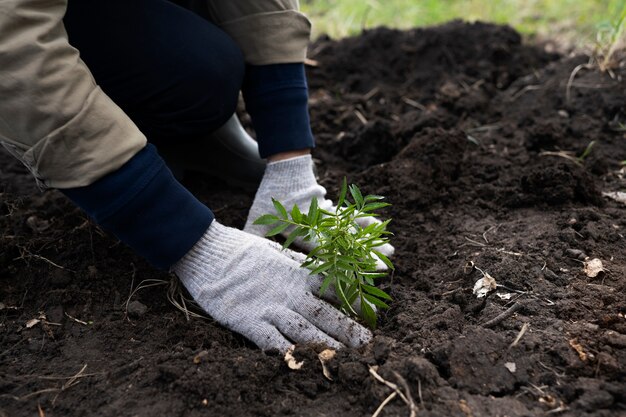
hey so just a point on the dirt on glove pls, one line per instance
(469, 133)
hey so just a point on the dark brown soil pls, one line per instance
(450, 123)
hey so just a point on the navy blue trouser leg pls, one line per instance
(174, 73)
(178, 77)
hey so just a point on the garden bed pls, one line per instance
(469, 134)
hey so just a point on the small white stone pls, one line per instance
(511, 367)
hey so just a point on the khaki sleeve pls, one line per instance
(267, 31)
(53, 116)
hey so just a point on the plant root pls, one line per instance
(405, 396)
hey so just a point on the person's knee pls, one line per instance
(209, 76)
(217, 76)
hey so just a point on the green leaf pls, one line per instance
(296, 215)
(326, 222)
(346, 265)
(307, 263)
(375, 206)
(344, 301)
(341, 276)
(279, 208)
(266, 219)
(326, 212)
(346, 258)
(315, 253)
(368, 313)
(322, 268)
(356, 195)
(383, 258)
(374, 275)
(377, 242)
(342, 194)
(352, 292)
(375, 301)
(347, 211)
(376, 292)
(326, 283)
(312, 214)
(278, 229)
(370, 229)
(292, 236)
(383, 225)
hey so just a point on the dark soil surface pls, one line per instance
(452, 124)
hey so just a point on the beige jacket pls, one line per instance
(61, 125)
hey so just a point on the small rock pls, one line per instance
(593, 267)
(511, 366)
(136, 309)
(563, 113)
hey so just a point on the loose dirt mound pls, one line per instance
(467, 132)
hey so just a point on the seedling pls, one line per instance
(608, 40)
(570, 155)
(587, 151)
(345, 253)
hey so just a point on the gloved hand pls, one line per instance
(292, 181)
(249, 285)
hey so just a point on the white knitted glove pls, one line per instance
(292, 181)
(249, 285)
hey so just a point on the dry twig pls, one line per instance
(76, 320)
(413, 103)
(503, 316)
(371, 93)
(521, 91)
(562, 154)
(474, 242)
(360, 116)
(25, 253)
(570, 81)
(521, 333)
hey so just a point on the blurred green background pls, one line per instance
(571, 23)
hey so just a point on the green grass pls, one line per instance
(572, 22)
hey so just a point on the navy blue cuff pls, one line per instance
(145, 207)
(276, 98)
